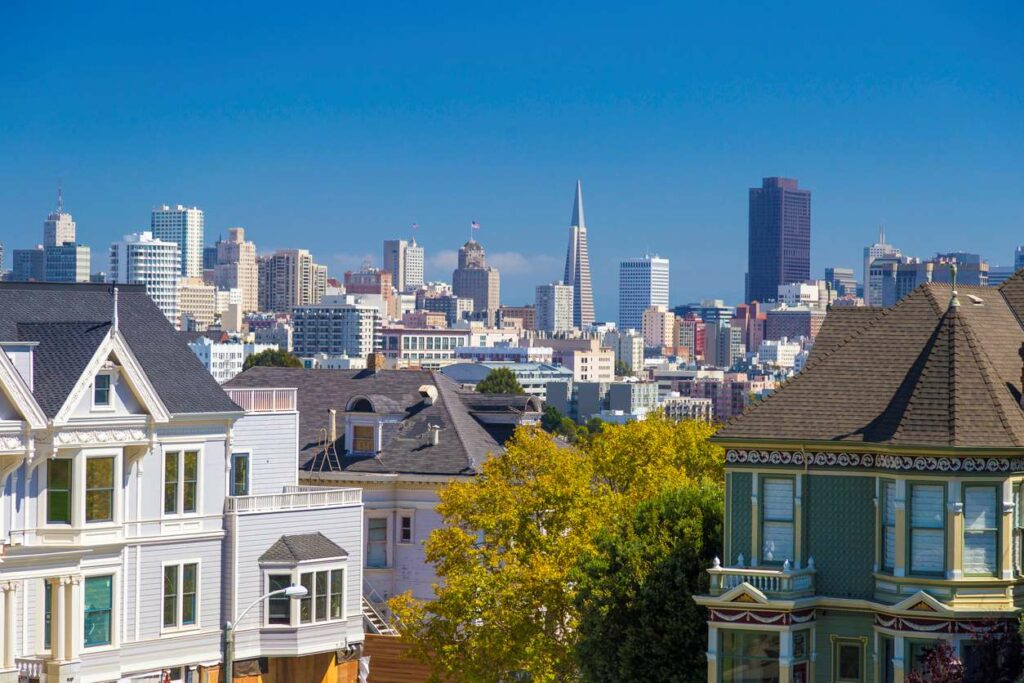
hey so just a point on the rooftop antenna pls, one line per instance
(60, 196)
(881, 232)
(953, 301)
(113, 321)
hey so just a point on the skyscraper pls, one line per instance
(63, 259)
(873, 283)
(475, 280)
(404, 260)
(59, 227)
(643, 282)
(779, 237)
(236, 268)
(842, 280)
(184, 227)
(29, 265)
(577, 265)
(289, 278)
(141, 259)
(553, 307)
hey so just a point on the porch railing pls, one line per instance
(786, 581)
(263, 400)
(306, 498)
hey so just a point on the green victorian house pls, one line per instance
(873, 503)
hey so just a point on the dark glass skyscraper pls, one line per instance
(779, 238)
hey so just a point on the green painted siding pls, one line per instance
(840, 518)
(842, 625)
(739, 509)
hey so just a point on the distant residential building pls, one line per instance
(627, 346)
(289, 278)
(197, 305)
(554, 307)
(729, 392)
(183, 226)
(692, 335)
(778, 353)
(525, 315)
(68, 262)
(585, 400)
(59, 226)
(224, 360)
(142, 259)
(643, 282)
(323, 361)
(420, 318)
(505, 352)
(29, 265)
(423, 347)
(455, 309)
(779, 238)
(280, 335)
(723, 345)
(688, 408)
(532, 377)
(474, 279)
(236, 268)
(209, 259)
(404, 260)
(708, 310)
(997, 275)
(337, 325)
(378, 283)
(751, 320)
(872, 279)
(591, 365)
(658, 327)
(843, 280)
(794, 322)
(577, 265)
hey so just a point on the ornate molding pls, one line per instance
(730, 616)
(971, 626)
(12, 442)
(82, 437)
(874, 461)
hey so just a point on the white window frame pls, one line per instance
(389, 535)
(411, 516)
(115, 609)
(179, 626)
(248, 473)
(44, 497)
(181, 449)
(296, 572)
(912, 486)
(111, 403)
(78, 472)
(116, 491)
(764, 521)
(995, 531)
(362, 420)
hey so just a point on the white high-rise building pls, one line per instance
(59, 227)
(553, 307)
(873, 284)
(183, 226)
(577, 265)
(643, 282)
(404, 260)
(141, 259)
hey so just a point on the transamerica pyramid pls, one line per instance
(577, 265)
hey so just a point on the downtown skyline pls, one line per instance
(667, 134)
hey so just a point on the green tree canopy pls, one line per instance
(500, 381)
(622, 369)
(275, 358)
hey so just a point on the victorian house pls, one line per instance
(143, 508)
(873, 504)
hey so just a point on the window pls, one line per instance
(240, 474)
(849, 661)
(337, 593)
(58, 491)
(888, 525)
(279, 606)
(180, 595)
(980, 530)
(749, 656)
(306, 603)
(777, 526)
(101, 390)
(927, 547)
(324, 598)
(362, 439)
(181, 482)
(98, 613)
(47, 613)
(377, 542)
(99, 489)
(405, 529)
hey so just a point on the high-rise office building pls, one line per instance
(872, 283)
(142, 259)
(577, 265)
(900, 276)
(404, 260)
(779, 237)
(643, 282)
(68, 262)
(553, 307)
(474, 279)
(289, 278)
(1018, 258)
(658, 326)
(29, 265)
(59, 227)
(843, 281)
(183, 226)
(236, 268)
(337, 325)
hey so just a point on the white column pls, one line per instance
(59, 617)
(74, 626)
(712, 654)
(9, 588)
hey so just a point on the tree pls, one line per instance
(997, 656)
(622, 368)
(273, 358)
(500, 381)
(509, 551)
(638, 620)
(938, 664)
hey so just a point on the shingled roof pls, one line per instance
(920, 374)
(295, 548)
(69, 321)
(463, 444)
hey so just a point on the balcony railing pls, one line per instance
(31, 668)
(782, 582)
(295, 498)
(263, 400)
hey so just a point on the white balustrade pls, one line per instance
(263, 400)
(768, 581)
(295, 498)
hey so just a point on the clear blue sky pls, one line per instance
(333, 126)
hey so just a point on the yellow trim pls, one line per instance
(860, 640)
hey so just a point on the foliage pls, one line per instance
(997, 656)
(622, 368)
(938, 664)
(500, 381)
(513, 539)
(272, 358)
(553, 422)
(638, 620)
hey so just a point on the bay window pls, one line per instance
(777, 520)
(749, 656)
(981, 530)
(927, 528)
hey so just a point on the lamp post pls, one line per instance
(293, 592)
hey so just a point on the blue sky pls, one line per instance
(333, 126)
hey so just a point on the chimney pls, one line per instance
(428, 393)
(332, 420)
(375, 362)
(434, 434)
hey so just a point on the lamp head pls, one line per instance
(296, 592)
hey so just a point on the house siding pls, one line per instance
(741, 488)
(838, 624)
(842, 545)
(270, 441)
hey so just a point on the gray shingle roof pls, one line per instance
(295, 548)
(70, 320)
(919, 374)
(462, 446)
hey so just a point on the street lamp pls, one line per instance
(293, 592)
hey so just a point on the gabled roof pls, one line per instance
(919, 374)
(295, 548)
(463, 444)
(71, 320)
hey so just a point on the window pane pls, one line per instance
(927, 537)
(377, 546)
(240, 474)
(98, 614)
(778, 541)
(99, 489)
(362, 439)
(279, 606)
(926, 507)
(170, 483)
(101, 392)
(337, 590)
(188, 594)
(889, 552)
(926, 550)
(979, 552)
(191, 477)
(889, 496)
(979, 507)
(778, 499)
(47, 613)
(306, 603)
(321, 596)
(849, 664)
(58, 491)
(171, 595)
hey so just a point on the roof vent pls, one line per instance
(976, 300)
(428, 393)
(434, 434)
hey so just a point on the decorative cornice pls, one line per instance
(82, 437)
(772, 618)
(12, 442)
(874, 461)
(972, 626)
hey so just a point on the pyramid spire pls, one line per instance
(577, 208)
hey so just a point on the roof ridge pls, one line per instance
(444, 391)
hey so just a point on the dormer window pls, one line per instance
(101, 391)
(362, 438)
